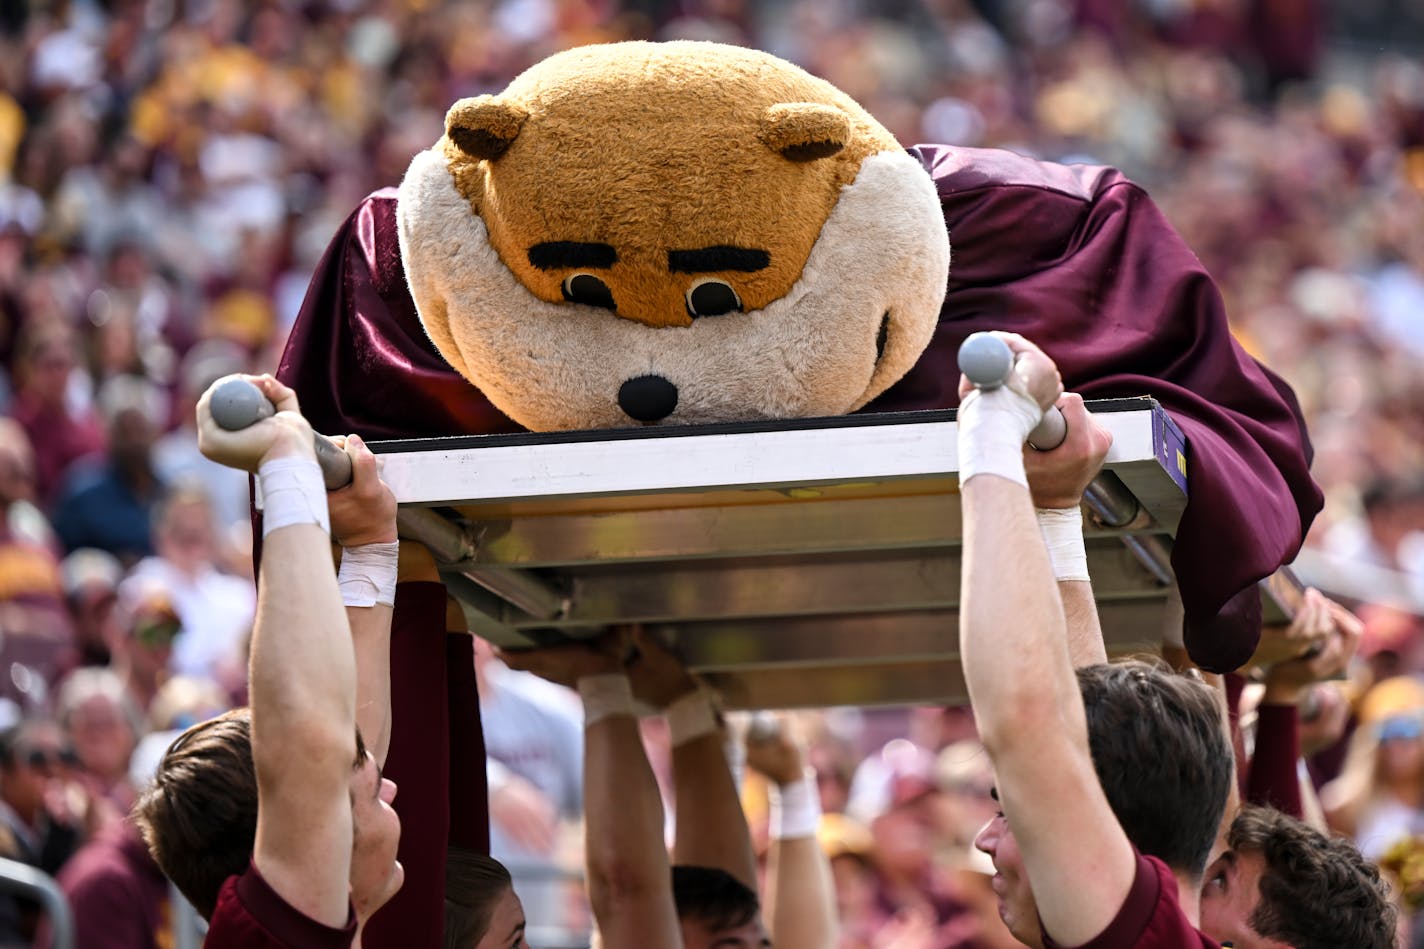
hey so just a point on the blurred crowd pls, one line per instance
(171, 170)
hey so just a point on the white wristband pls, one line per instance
(795, 808)
(605, 696)
(368, 574)
(292, 493)
(993, 426)
(1062, 530)
(689, 717)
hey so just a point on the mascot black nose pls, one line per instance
(647, 398)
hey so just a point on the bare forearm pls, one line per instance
(371, 638)
(1085, 631)
(303, 673)
(712, 830)
(1010, 611)
(800, 896)
(629, 878)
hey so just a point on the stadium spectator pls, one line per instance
(91, 585)
(109, 504)
(140, 651)
(38, 823)
(1379, 796)
(102, 724)
(46, 360)
(216, 608)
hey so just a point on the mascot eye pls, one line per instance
(712, 298)
(587, 289)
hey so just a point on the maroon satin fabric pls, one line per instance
(1076, 258)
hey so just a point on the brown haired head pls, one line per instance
(199, 816)
(474, 883)
(1315, 891)
(1161, 755)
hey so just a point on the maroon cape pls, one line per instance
(1076, 258)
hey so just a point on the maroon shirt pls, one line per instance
(1077, 258)
(118, 895)
(251, 915)
(1150, 918)
(59, 440)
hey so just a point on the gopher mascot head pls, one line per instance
(668, 233)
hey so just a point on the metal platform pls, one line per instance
(804, 563)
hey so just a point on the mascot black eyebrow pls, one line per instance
(672, 233)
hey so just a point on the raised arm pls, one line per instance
(303, 671)
(711, 828)
(629, 879)
(363, 522)
(1013, 644)
(1057, 480)
(800, 901)
(1333, 635)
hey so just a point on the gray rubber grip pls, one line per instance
(237, 403)
(987, 361)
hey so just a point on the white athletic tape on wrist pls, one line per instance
(689, 717)
(605, 696)
(994, 424)
(368, 574)
(1062, 530)
(795, 808)
(293, 492)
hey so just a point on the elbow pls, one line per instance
(1016, 722)
(317, 746)
(616, 882)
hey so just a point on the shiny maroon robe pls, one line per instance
(1076, 258)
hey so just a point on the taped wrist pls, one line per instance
(605, 696)
(795, 808)
(1062, 530)
(690, 716)
(368, 574)
(994, 424)
(293, 492)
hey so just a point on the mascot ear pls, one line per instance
(804, 131)
(484, 127)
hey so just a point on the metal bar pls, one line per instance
(810, 526)
(855, 640)
(695, 461)
(446, 541)
(453, 547)
(1154, 554)
(799, 586)
(1111, 501)
(40, 886)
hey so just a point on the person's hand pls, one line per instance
(1058, 477)
(285, 433)
(563, 665)
(363, 512)
(526, 814)
(1305, 633)
(657, 676)
(1287, 682)
(774, 755)
(1033, 373)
